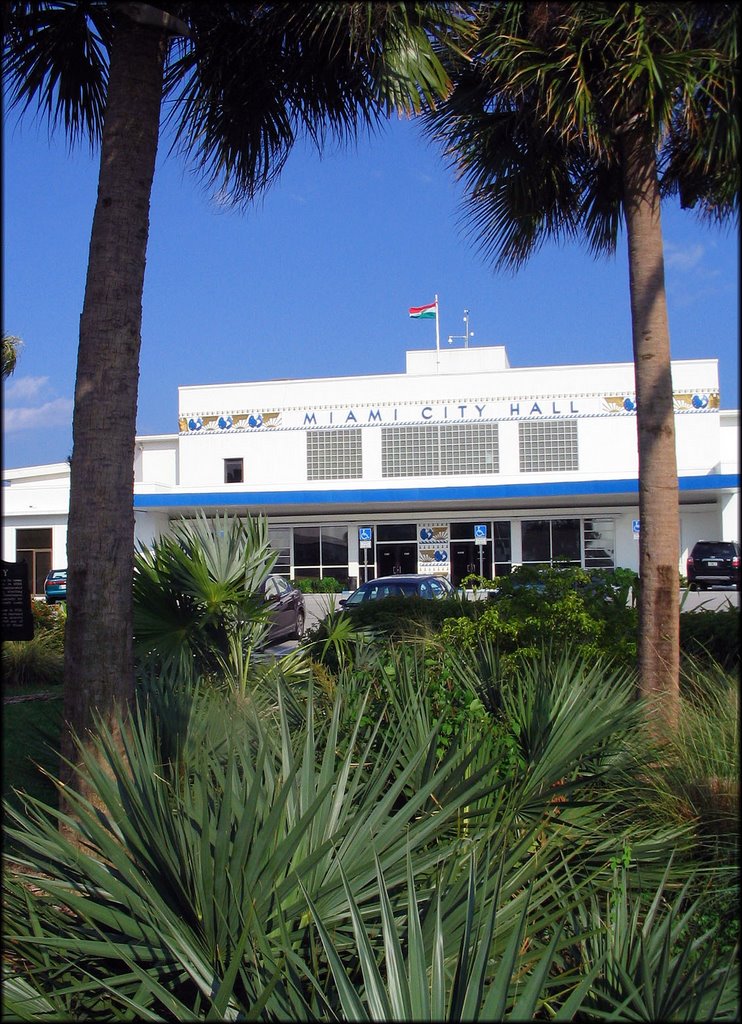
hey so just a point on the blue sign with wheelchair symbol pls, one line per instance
(364, 533)
(480, 530)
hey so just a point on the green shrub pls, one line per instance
(697, 772)
(49, 616)
(712, 637)
(322, 869)
(398, 617)
(314, 585)
(34, 663)
(590, 613)
(31, 741)
(305, 584)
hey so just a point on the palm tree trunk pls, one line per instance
(99, 658)
(659, 537)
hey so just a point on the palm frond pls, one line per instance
(56, 57)
(254, 79)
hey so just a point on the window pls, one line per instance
(34, 547)
(396, 531)
(554, 541)
(233, 471)
(409, 451)
(550, 540)
(280, 540)
(600, 543)
(469, 448)
(547, 445)
(503, 549)
(440, 449)
(334, 455)
(306, 545)
(321, 551)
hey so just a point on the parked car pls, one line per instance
(287, 612)
(413, 585)
(714, 563)
(55, 586)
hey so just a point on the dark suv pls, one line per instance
(714, 562)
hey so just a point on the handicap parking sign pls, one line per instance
(364, 533)
(480, 533)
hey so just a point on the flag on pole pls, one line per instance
(429, 312)
(424, 312)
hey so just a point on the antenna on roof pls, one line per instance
(462, 337)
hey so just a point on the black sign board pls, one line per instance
(17, 621)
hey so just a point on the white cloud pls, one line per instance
(683, 258)
(57, 413)
(25, 389)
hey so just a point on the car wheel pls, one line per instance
(299, 628)
(692, 586)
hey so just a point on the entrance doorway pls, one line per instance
(396, 559)
(396, 548)
(465, 559)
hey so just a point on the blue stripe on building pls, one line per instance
(565, 488)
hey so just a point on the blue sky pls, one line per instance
(316, 280)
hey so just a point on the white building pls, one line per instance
(363, 476)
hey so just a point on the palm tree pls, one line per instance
(11, 344)
(242, 83)
(573, 120)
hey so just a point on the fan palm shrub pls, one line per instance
(287, 858)
(195, 593)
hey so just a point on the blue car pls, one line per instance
(411, 585)
(55, 586)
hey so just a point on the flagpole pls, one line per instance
(437, 327)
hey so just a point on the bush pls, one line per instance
(34, 663)
(31, 732)
(711, 636)
(589, 613)
(403, 617)
(698, 770)
(49, 616)
(323, 869)
(312, 585)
